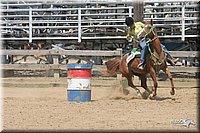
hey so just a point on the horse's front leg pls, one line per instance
(166, 70)
(144, 85)
(153, 76)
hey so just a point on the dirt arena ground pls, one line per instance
(40, 104)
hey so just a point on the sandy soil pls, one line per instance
(40, 104)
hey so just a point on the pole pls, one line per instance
(30, 24)
(79, 25)
(138, 10)
(183, 23)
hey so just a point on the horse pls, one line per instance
(155, 61)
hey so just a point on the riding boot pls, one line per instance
(170, 62)
(175, 60)
(141, 65)
(170, 59)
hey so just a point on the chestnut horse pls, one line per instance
(155, 61)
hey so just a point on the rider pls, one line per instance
(134, 29)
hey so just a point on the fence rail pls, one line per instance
(62, 52)
(57, 67)
(193, 54)
(55, 55)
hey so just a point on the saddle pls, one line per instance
(135, 53)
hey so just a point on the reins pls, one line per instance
(147, 33)
(157, 60)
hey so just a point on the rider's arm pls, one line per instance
(130, 35)
(142, 24)
(138, 28)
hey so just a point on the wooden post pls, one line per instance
(119, 75)
(7, 73)
(56, 71)
(138, 11)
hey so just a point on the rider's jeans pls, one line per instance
(164, 48)
(143, 46)
(166, 51)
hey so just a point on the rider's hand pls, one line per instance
(129, 38)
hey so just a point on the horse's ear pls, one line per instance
(151, 21)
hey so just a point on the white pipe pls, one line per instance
(79, 25)
(30, 25)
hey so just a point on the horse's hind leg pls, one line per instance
(166, 70)
(130, 83)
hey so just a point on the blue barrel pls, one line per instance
(79, 76)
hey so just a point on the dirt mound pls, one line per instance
(123, 92)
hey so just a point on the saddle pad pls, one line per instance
(134, 54)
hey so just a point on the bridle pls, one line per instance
(156, 59)
(148, 32)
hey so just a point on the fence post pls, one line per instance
(138, 8)
(56, 71)
(119, 75)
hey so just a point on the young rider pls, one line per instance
(134, 29)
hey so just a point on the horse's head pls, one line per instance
(148, 32)
(151, 37)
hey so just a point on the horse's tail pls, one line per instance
(113, 66)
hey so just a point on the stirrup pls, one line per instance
(141, 66)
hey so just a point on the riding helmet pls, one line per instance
(129, 21)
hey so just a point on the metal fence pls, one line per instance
(174, 18)
(64, 21)
(41, 20)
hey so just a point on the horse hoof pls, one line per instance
(172, 92)
(152, 97)
(145, 95)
